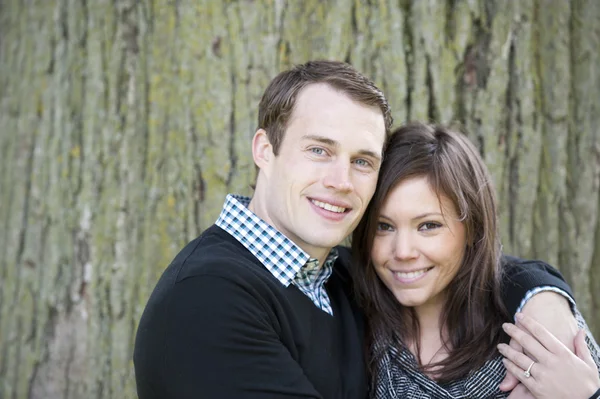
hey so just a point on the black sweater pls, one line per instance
(219, 325)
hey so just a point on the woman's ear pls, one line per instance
(262, 150)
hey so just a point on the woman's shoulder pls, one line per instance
(399, 376)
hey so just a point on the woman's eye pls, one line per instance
(381, 226)
(429, 226)
(317, 151)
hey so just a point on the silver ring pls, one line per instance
(527, 372)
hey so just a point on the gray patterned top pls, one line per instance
(399, 376)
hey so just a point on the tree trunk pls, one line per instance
(125, 123)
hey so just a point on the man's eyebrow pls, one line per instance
(333, 143)
(371, 154)
(321, 139)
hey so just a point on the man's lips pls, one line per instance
(331, 206)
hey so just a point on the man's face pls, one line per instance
(320, 183)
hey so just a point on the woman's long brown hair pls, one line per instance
(474, 312)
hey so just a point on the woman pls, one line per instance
(431, 287)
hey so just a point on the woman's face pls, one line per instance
(419, 244)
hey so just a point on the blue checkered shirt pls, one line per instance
(285, 260)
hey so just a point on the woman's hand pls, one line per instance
(551, 370)
(520, 392)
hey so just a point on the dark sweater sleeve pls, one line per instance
(220, 343)
(521, 276)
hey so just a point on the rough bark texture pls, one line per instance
(124, 124)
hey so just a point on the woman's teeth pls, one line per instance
(411, 275)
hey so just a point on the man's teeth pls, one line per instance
(411, 274)
(329, 207)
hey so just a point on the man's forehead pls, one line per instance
(322, 93)
(321, 110)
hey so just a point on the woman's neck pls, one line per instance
(432, 334)
(429, 317)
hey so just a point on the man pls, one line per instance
(260, 305)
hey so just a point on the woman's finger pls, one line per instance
(541, 334)
(582, 351)
(510, 382)
(518, 358)
(521, 392)
(531, 345)
(530, 382)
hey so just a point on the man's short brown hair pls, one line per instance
(279, 99)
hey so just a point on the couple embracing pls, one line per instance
(266, 303)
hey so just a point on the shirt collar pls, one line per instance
(280, 255)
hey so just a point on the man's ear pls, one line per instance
(262, 150)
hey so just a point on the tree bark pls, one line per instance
(126, 122)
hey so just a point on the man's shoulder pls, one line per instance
(214, 253)
(215, 261)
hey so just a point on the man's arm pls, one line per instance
(524, 279)
(220, 343)
(553, 311)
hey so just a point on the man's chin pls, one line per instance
(327, 242)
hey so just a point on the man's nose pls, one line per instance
(339, 178)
